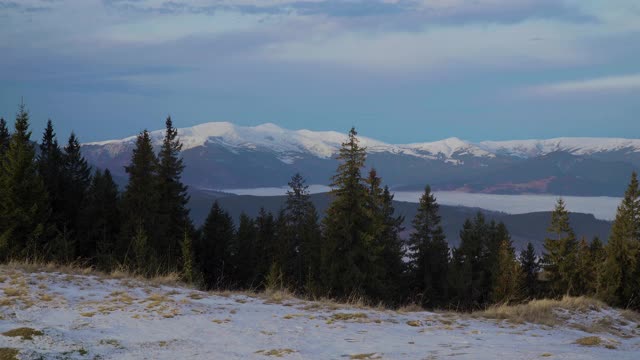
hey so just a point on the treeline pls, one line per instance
(54, 207)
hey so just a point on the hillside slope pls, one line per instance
(52, 315)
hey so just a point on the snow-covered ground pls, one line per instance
(92, 317)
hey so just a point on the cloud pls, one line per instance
(608, 84)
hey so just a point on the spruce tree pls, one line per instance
(560, 257)
(100, 221)
(429, 253)
(270, 246)
(244, 253)
(618, 282)
(586, 278)
(24, 205)
(506, 285)
(139, 201)
(186, 255)
(304, 238)
(173, 215)
(75, 180)
(4, 138)
(344, 255)
(214, 250)
(51, 170)
(530, 266)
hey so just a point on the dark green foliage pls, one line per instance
(244, 253)
(100, 221)
(24, 205)
(269, 246)
(172, 198)
(214, 250)
(619, 284)
(530, 266)
(345, 256)
(76, 180)
(507, 277)
(140, 198)
(429, 254)
(302, 236)
(475, 263)
(560, 257)
(186, 256)
(4, 137)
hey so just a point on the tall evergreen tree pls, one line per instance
(506, 284)
(51, 170)
(618, 281)
(214, 250)
(560, 257)
(384, 266)
(4, 138)
(530, 266)
(304, 238)
(173, 215)
(345, 257)
(429, 253)
(139, 201)
(100, 221)
(24, 210)
(270, 246)
(244, 253)
(186, 250)
(76, 180)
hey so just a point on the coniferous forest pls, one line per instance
(55, 207)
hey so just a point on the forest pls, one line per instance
(55, 208)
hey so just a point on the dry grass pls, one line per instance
(409, 308)
(365, 356)
(8, 354)
(160, 278)
(276, 352)
(589, 341)
(25, 333)
(540, 311)
(14, 292)
(414, 323)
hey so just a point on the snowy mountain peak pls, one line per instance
(291, 144)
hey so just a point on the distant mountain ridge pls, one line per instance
(222, 155)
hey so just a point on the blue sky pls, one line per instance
(399, 70)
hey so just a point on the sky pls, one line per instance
(398, 70)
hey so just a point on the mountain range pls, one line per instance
(221, 155)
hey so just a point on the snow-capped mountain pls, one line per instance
(223, 155)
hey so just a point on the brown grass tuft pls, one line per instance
(25, 333)
(540, 311)
(589, 341)
(8, 354)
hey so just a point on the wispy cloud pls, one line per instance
(607, 84)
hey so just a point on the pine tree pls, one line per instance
(24, 210)
(51, 170)
(429, 253)
(173, 215)
(270, 246)
(506, 286)
(304, 238)
(618, 283)
(214, 249)
(5, 137)
(186, 251)
(244, 253)
(530, 266)
(586, 269)
(76, 181)
(560, 258)
(100, 221)
(139, 201)
(344, 254)
(139, 246)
